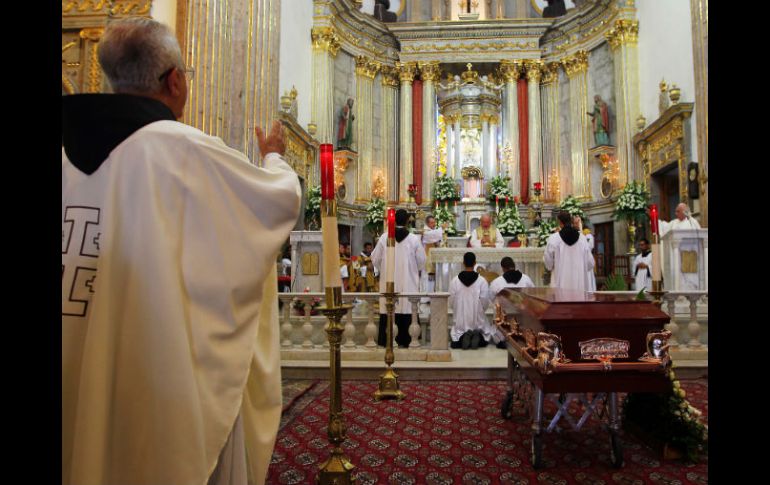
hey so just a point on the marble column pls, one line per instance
(623, 42)
(406, 73)
(326, 44)
(233, 46)
(458, 154)
(388, 130)
(485, 147)
(450, 159)
(576, 67)
(534, 70)
(549, 102)
(429, 72)
(435, 10)
(509, 71)
(699, 11)
(366, 70)
(415, 11)
(493, 161)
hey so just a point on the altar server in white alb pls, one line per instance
(410, 260)
(683, 220)
(568, 257)
(577, 223)
(511, 278)
(642, 267)
(170, 346)
(432, 237)
(468, 297)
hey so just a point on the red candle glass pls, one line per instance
(654, 218)
(391, 223)
(538, 186)
(327, 171)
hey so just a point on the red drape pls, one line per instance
(523, 139)
(417, 137)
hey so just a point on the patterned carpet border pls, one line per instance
(451, 432)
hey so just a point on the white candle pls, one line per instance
(390, 266)
(656, 270)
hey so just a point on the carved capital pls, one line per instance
(325, 39)
(623, 32)
(367, 67)
(550, 73)
(430, 71)
(406, 71)
(576, 63)
(93, 34)
(389, 76)
(534, 68)
(510, 70)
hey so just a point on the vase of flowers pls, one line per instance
(509, 221)
(631, 207)
(313, 209)
(498, 189)
(445, 189)
(375, 215)
(446, 219)
(571, 205)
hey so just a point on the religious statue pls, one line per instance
(345, 136)
(489, 83)
(451, 83)
(381, 12)
(600, 120)
(555, 8)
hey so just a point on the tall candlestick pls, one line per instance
(327, 171)
(390, 254)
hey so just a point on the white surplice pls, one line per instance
(410, 260)
(642, 276)
(686, 223)
(569, 265)
(468, 304)
(169, 308)
(591, 272)
(499, 283)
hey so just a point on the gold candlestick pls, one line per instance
(389, 379)
(337, 468)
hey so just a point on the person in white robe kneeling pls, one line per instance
(171, 369)
(410, 260)
(641, 267)
(468, 297)
(511, 278)
(568, 256)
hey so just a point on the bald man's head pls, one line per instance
(682, 211)
(486, 221)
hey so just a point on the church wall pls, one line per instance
(164, 11)
(564, 141)
(344, 88)
(296, 56)
(665, 52)
(601, 81)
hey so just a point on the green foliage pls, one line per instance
(509, 221)
(445, 188)
(443, 215)
(669, 418)
(313, 209)
(544, 230)
(571, 205)
(632, 203)
(616, 282)
(499, 187)
(375, 215)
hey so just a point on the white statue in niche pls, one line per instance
(470, 146)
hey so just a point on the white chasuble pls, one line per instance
(169, 312)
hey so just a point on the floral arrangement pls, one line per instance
(632, 203)
(299, 305)
(670, 418)
(498, 188)
(442, 215)
(544, 230)
(375, 215)
(444, 188)
(571, 205)
(313, 209)
(509, 221)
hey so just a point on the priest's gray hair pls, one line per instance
(135, 52)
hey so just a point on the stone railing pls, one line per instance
(303, 336)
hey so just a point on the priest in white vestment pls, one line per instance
(432, 237)
(468, 297)
(170, 337)
(683, 220)
(568, 257)
(486, 235)
(642, 267)
(410, 260)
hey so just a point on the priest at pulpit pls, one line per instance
(683, 220)
(486, 235)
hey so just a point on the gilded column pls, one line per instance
(510, 71)
(388, 125)
(485, 166)
(430, 72)
(366, 70)
(326, 44)
(549, 102)
(534, 70)
(623, 42)
(406, 73)
(576, 67)
(699, 10)
(233, 46)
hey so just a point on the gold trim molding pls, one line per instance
(111, 7)
(367, 67)
(325, 39)
(406, 71)
(576, 63)
(510, 70)
(534, 69)
(389, 76)
(473, 47)
(550, 73)
(429, 71)
(624, 32)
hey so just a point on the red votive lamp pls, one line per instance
(391, 223)
(327, 171)
(654, 218)
(538, 186)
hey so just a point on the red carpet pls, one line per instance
(452, 433)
